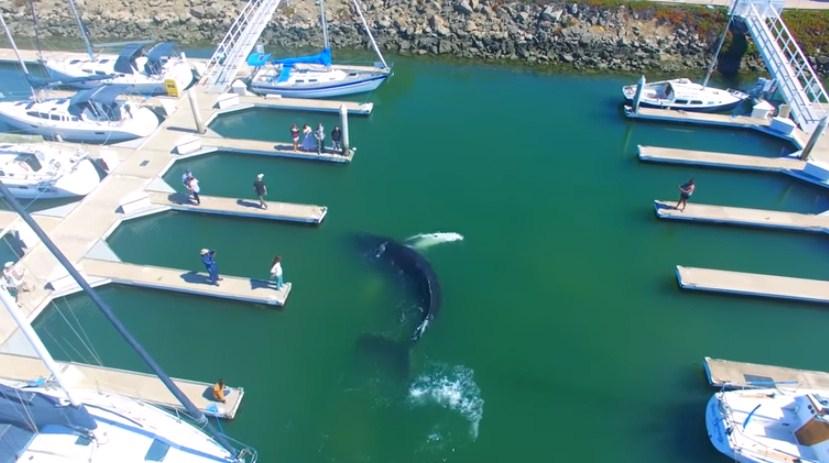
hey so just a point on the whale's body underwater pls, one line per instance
(417, 271)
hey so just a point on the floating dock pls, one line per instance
(186, 281)
(266, 148)
(140, 386)
(248, 208)
(783, 164)
(753, 284)
(738, 375)
(743, 216)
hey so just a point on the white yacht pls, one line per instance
(91, 116)
(685, 95)
(770, 425)
(315, 76)
(133, 71)
(46, 171)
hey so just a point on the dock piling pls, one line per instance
(194, 107)
(640, 87)
(344, 124)
(821, 127)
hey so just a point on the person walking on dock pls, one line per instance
(208, 258)
(686, 190)
(320, 136)
(276, 272)
(261, 190)
(295, 136)
(336, 140)
(193, 188)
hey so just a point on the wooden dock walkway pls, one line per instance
(186, 281)
(303, 104)
(266, 148)
(753, 284)
(725, 160)
(249, 208)
(140, 386)
(743, 216)
(729, 374)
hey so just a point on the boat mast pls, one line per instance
(368, 31)
(325, 42)
(36, 25)
(720, 44)
(36, 343)
(82, 29)
(191, 409)
(14, 46)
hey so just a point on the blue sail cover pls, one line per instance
(322, 58)
(25, 410)
(127, 57)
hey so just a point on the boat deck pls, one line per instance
(743, 216)
(242, 208)
(137, 385)
(725, 160)
(753, 284)
(736, 375)
(186, 281)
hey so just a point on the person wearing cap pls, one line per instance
(208, 258)
(14, 280)
(261, 190)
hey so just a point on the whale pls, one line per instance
(418, 272)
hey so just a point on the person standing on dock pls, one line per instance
(307, 138)
(193, 187)
(14, 281)
(261, 190)
(320, 136)
(276, 272)
(208, 258)
(686, 190)
(336, 140)
(295, 137)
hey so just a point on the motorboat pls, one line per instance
(770, 425)
(685, 95)
(46, 171)
(91, 116)
(316, 76)
(135, 70)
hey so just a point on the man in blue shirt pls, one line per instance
(209, 260)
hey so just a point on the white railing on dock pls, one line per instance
(798, 82)
(232, 52)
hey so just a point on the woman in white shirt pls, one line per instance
(276, 272)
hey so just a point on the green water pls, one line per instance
(561, 321)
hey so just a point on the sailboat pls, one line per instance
(54, 422)
(46, 171)
(135, 70)
(770, 425)
(91, 116)
(686, 95)
(315, 76)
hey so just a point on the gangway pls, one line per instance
(237, 44)
(785, 61)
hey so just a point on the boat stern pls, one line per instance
(80, 181)
(181, 72)
(143, 123)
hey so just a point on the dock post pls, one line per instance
(821, 127)
(194, 107)
(640, 87)
(344, 124)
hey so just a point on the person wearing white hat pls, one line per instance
(261, 190)
(209, 260)
(14, 280)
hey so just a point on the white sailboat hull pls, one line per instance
(682, 94)
(141, 124)
(349, 83)
(180, 72)
(80, 182)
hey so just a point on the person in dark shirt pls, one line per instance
(336, 140)
(261, 190)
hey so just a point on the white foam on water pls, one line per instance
(423, 241)
(451, 387)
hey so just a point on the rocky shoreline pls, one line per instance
(621, 37)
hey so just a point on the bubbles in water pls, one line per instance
(427, 240)
(451, 387)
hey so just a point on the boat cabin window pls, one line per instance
(353, 74)
(696, 102)
(88, 71)
(54, 117)
(100, 73)
(104, 61)
(29, 106)
(300, 81)
(681, 101)
(75, 61)
(312, 80)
